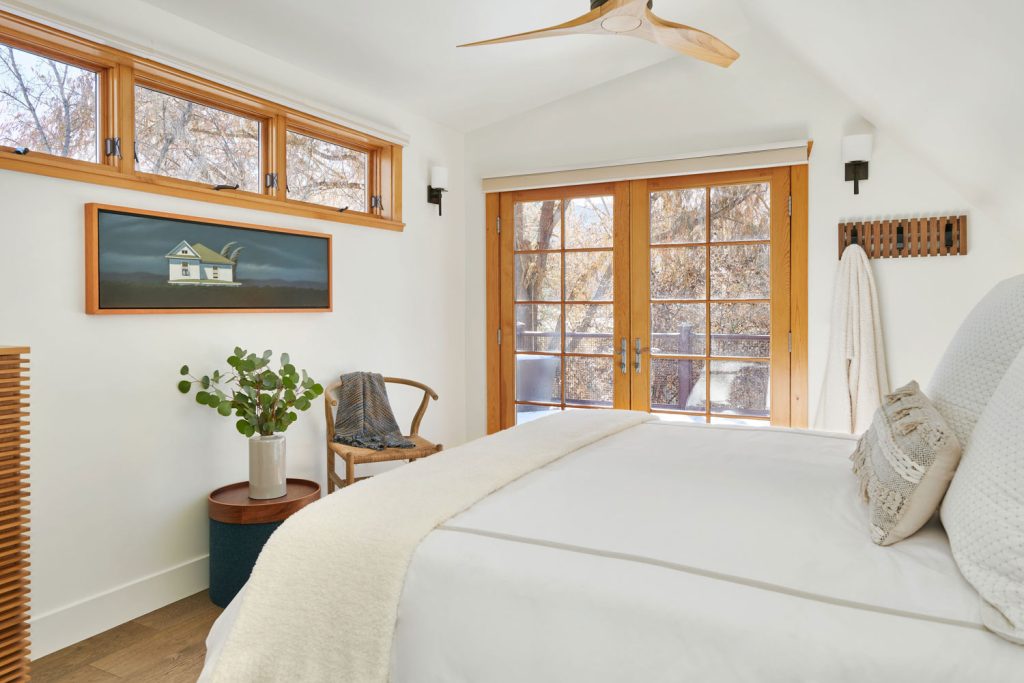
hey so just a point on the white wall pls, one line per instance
(122, 463)
(682, 106)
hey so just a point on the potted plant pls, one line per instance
(265, 402)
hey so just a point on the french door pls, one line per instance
(672, 295)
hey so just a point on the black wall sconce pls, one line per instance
(438, 186)
(856, 156)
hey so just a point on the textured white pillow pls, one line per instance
(984, 509)
(977, 358)
(905, 462)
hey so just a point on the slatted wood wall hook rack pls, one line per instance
(907, 237)
(14, 559)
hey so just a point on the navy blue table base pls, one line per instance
(233, 552)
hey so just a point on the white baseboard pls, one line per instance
(72, 623)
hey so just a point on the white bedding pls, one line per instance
(674, 552)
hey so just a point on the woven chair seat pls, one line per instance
(363, 456)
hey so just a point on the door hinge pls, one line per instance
(789, 206)
(499, 225)
(271, 181)
(499, 336)
(112, 147)
(791, 342)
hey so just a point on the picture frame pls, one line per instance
(151, 262)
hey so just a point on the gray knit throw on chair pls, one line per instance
(364, 417)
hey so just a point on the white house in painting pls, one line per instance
(196, 264)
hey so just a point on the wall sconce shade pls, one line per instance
(856, 156)
(438, 185)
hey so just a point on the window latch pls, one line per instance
(21, 150)
(343, 209)
(271, 181)
(226, 187)
(112, 147)
(377, 202)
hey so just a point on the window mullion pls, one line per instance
(279, 154)
(122, 116)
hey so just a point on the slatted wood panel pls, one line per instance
(14, 644)
(907, 237)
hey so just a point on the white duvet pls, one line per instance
(671, 552)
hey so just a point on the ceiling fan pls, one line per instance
(634, 18)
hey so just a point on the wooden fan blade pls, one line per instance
(583, 24)
(689, 41)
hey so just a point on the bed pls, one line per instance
(651, 551)
(677, 552)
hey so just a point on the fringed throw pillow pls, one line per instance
(905, 462)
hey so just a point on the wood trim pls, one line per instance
(506, 314)
(493, 316)
(798, 297)
(640, 291)
(120, 71)
(781, 288)
(14, 583)
(92, 283)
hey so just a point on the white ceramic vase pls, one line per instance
(267, 477)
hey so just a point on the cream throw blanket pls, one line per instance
(855, 377)
(322, 601)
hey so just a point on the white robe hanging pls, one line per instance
(855, 375)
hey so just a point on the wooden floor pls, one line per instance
(166, 645)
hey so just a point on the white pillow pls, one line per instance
(987, 342)
(984, 509)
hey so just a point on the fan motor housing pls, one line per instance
(594, 4)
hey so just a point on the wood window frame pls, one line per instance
(791, 262)
(119, 72)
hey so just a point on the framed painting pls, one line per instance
(150, 262)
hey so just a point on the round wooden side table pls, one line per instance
(240, 526)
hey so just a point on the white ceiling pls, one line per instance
(404, 50)
(944, 76)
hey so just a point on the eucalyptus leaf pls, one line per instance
(224, 408)
(285, 359)
(184, 369)
(184, 386)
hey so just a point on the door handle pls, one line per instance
(637, 356)
(623, 354)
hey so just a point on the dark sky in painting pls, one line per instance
(138, 244)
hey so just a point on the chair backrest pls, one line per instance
(331, 403)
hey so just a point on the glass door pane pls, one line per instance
(707, 339)
(566, 303)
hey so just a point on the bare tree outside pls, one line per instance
(325, 173)
(47, 105)
(564, 300)
(182, 139)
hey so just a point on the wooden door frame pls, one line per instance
(794, 211)
(500, 279)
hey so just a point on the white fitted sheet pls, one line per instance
(675, 552)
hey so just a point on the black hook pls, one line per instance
(900, 243)
(343, 209)
(853, 236)
(949, 235)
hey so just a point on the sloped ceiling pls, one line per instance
(945, 76)
(405, 50)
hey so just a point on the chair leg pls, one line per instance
(350, 471)
(330, 472)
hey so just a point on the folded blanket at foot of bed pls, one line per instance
(338, 566)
